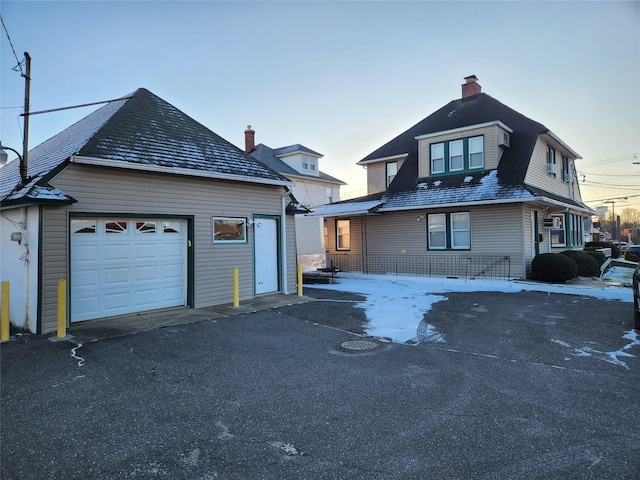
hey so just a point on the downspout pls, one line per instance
(283, 234)
(27, 264)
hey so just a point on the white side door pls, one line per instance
(266, 255)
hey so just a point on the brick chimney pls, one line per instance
(249, 139)
(472, 87)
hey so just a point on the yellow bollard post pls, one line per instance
(236, 292)
(299, 279)
(4, 315)
(62, 309)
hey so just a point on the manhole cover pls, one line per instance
(358, 345)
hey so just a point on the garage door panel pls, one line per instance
(128, 270)
(116, 276)
(146, 273)
(147, 251)
(118, 251)
(85, 279)
(116, 302)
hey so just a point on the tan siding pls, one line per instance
(375, 178)
(537, 171)
(495, 231)
(104, 190)
(492, 152)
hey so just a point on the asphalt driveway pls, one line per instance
(527, 385)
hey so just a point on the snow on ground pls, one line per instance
(388, 295)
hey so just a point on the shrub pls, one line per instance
(599, 256)
(553, 267)
(587, 265)
(615, 251)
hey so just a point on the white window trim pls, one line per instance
(240, 220)
(461, 143)
(453, 231)
(433, 170)
(338, 236)
(430, 246)
(481, 137)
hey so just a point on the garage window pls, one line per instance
(83, 226)
(146, 227)
(229, 230)
(115, 226)
(171, 227)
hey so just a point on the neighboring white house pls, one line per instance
(312, 188)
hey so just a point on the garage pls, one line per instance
(126, 265)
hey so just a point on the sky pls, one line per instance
(395, 306)
(341, 78)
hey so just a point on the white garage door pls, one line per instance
(121, 266)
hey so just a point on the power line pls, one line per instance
(19, 66)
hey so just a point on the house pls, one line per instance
(474, 189)
(139, 207)
(312, 187)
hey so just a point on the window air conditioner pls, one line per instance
(503, 139)
(551, 169)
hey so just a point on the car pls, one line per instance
(636, 298)
(633, 253)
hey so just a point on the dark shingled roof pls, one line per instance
(503, 184)
(140, 129)
(465, 112)
(269, 156)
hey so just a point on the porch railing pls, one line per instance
(460, 266)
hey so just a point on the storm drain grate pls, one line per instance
(358, 345)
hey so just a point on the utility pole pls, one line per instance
(25, 142)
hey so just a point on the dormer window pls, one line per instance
(551, 162)
(476, 152)
(456, 151)
(437, 158)
(462, 155)
(392, 171)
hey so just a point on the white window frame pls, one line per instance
(565, 169)
(390, 175)
(328, 193)
(439, 158)
(343, 240)
(558, 233)
(457, 230)
(457, 147)
(475, 152)
(437, 224)
(238, 221)
(551, 160)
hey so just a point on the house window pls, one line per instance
(305, 165)
(456, 151)
(570, 229)
(551, 162)
(460, 231)
(343, 234)
(328, 194)
(437, 226)
(449, 231)
(229, 230)
(437, 158)
(392, 171)
(558, 238)
(476, 152)
(565, 169)
(312, 164)
(465, 154)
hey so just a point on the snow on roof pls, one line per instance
(345, 208)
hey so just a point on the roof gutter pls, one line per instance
(177, 171)
(543, 200)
